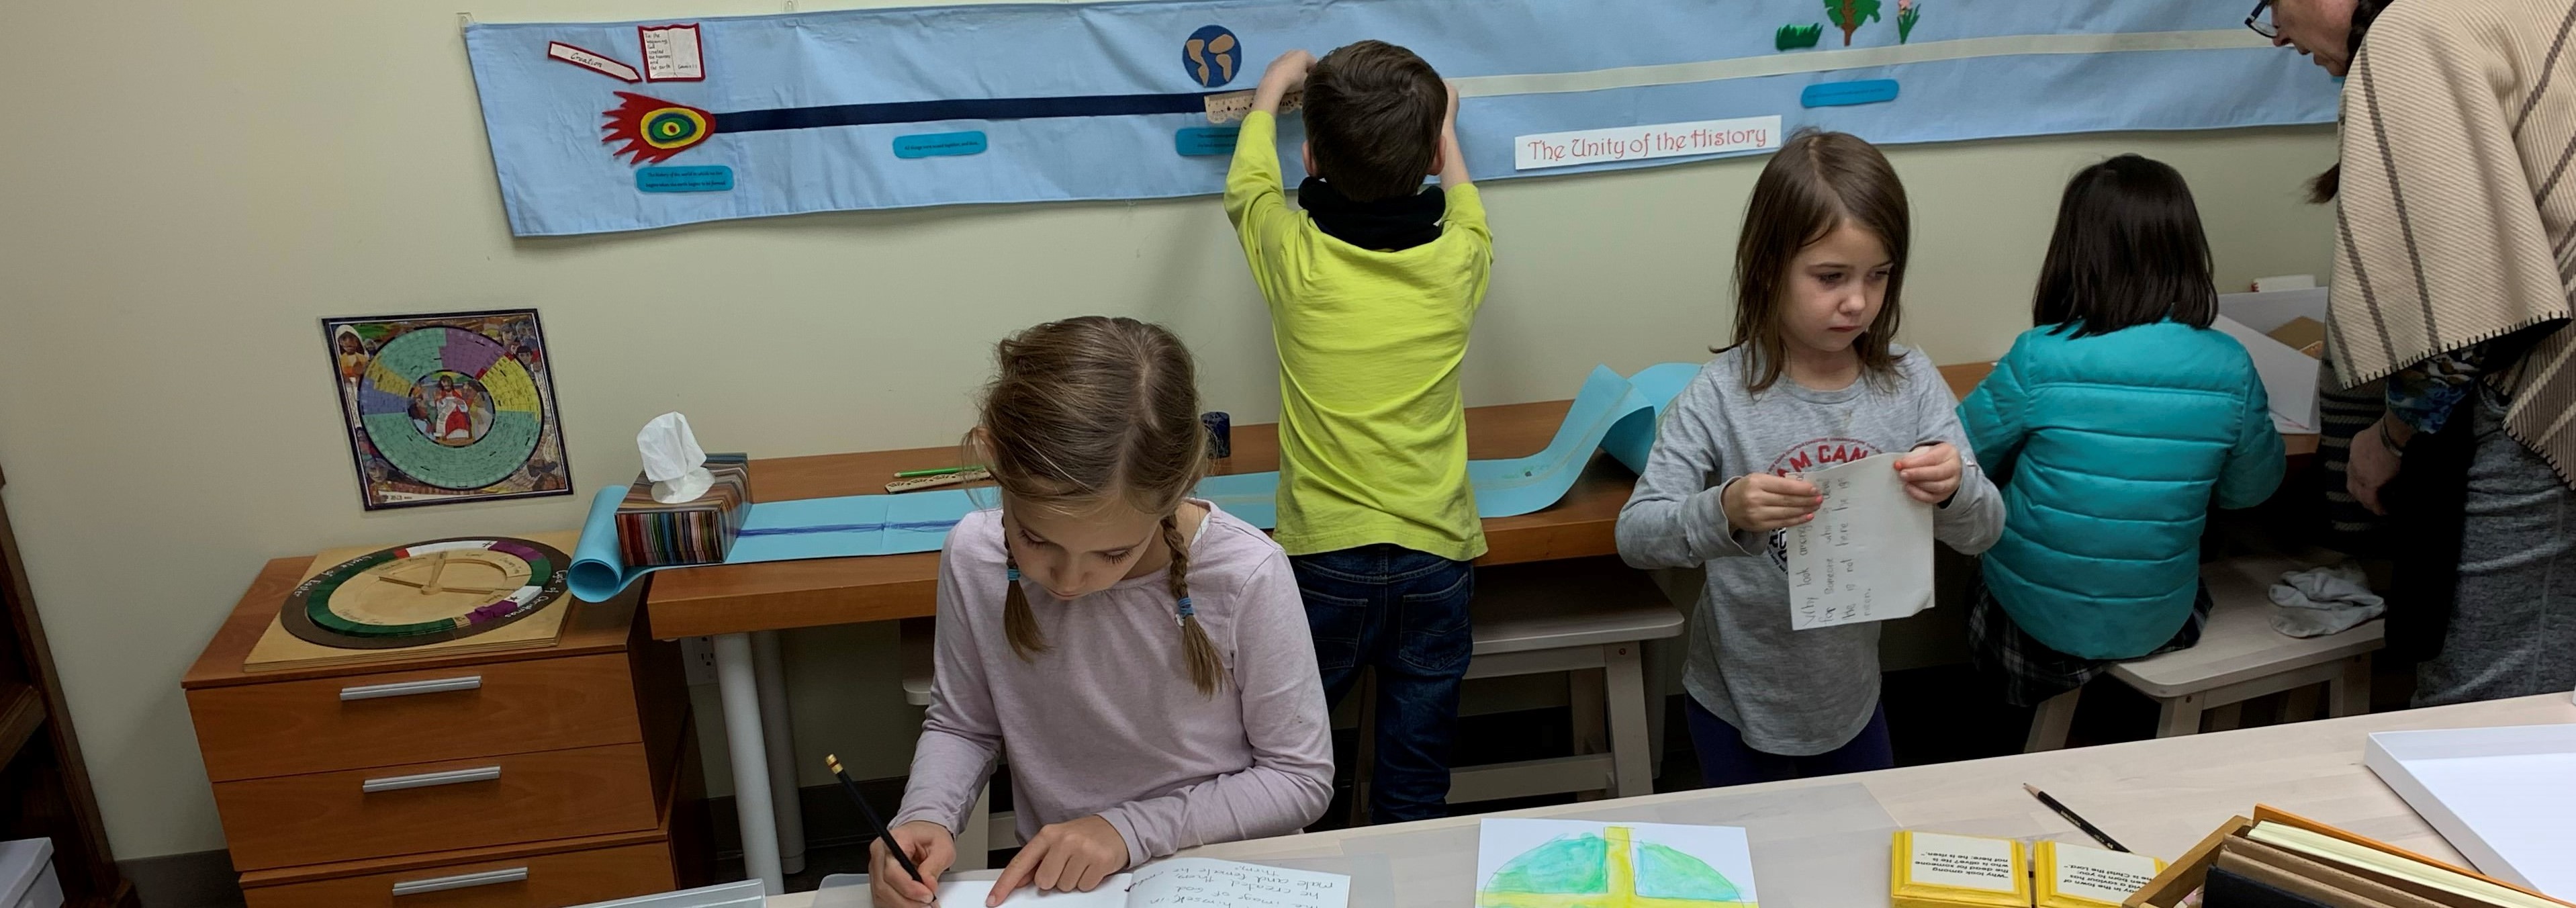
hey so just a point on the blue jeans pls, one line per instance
(1404, 612)
(1725, 760)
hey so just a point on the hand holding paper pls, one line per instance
(1761, 502)
(1931, 472)
(1867, 555)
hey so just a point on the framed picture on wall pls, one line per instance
(450, 407)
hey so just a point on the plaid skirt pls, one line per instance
(2029, 672)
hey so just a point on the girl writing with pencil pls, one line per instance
(1142, 656)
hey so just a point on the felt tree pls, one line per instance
(1849, 14)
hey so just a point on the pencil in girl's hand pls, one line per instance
(883, 834)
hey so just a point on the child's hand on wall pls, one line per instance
(1931, 472)
(1761, 502)
(1286, 74)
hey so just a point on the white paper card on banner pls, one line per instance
(598, 63)
(672, 54)
(1644, 143)
(1868, 554)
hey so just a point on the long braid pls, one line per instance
(1019, 624)
(1207, 670)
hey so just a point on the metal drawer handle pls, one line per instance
(429, 779)
(408, 688)
(460, 881)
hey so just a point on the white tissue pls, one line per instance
(673, 460)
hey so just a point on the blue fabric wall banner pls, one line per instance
(1610, 413)
(1089, 101)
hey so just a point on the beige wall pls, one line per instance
(189, 186)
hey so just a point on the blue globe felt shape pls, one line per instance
(1212, 56)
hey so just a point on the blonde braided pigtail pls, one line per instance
(1207, 670)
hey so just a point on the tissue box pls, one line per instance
(653, 534)
(2289, 375)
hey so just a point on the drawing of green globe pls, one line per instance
(1608, 870)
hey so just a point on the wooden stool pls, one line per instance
(1591, 620)
(974, 845)
(2239, 657)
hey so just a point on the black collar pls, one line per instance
(1386, 225)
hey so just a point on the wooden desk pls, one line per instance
(735, 598)
(1824, 841)
(1964, 377)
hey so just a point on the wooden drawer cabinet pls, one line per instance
(393, 810)
(539, 881)
(391, 718)
(531, 777)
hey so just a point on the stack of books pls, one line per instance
(702, 531)
(2279, 860)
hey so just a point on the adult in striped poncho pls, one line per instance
(2455, 258)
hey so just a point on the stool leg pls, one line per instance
(975, 844)
(2350, 693)
(1625, 683)
(2048, 727)
(1586, 695)
(2181, 716)
(770, 667)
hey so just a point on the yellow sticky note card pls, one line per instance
(2081, 876)
(1932, 870)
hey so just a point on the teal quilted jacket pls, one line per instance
(2110, 450)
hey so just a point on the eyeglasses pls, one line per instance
(2259, 20)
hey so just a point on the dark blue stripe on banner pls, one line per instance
(972, 109)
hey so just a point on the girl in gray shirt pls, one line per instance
(1811, 380)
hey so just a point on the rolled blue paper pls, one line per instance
(1610, 412)
(1848, 94)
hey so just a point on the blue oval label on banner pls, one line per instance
(939, 145)
(1846, 94)
(1196, 141)
(701, 178)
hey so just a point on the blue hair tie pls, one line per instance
(1186, 610)
(1015, 574)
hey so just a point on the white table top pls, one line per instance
(1824, 841)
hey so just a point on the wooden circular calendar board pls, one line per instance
(424, 593)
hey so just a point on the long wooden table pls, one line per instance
(1825, 841)
(742, 605)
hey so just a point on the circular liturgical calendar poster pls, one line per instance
(451, 407)
(429, 592)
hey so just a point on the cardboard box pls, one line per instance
(2289, 376)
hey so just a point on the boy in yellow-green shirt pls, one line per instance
(1372, 287)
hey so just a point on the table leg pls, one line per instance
(779, 736)
(2350, 693)
(2181, 717)
(739, 691)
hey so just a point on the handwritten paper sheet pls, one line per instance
(1176, 883)
(672, 53)
(1868, 554)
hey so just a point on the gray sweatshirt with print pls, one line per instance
(1794, 693)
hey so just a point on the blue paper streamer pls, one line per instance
(1612, 413)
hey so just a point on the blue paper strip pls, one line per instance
(1199, 141)
(1848, 94)
(939, 145)
(1611, 412)
(698, 178)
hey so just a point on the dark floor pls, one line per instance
(1931, 712)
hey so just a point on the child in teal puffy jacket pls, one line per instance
(2112, 427)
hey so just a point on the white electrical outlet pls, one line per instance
(698, 657)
